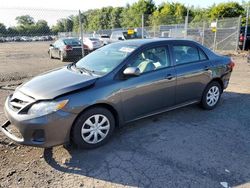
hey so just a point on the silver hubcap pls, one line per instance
(213, 96)
(95, 129)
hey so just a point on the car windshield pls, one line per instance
(72, 42)
(105, 59)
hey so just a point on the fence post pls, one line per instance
(142, 26)
(238, 34)
(186, 27)
(245, 34)
(203, 33)
(154, 30)
(186, 23)
(215, 36)
(81, 32)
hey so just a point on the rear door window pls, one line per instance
(184, 54)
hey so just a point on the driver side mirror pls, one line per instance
(120, 38)
(51, 45)
(132, 71)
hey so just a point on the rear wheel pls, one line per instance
(211, 96)
(93, 128)
(61, 57)
(50, 55)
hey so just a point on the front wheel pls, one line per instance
(93, 128)
(211, 96)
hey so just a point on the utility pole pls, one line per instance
(238, 34)
(245, 34)
(203, 32)
(81, 32)
(186, 22)
(215, 36)
(142, 26)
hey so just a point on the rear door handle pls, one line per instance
(169, 77)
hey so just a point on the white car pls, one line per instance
(92, 43)
(105, 39)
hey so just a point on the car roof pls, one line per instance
(141, 42)
(69, 38)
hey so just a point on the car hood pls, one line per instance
(55, 83)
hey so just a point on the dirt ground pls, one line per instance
(188, 147)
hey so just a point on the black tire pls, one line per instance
(76, 132)
(204, 101)
(50, 55)
(61, 57)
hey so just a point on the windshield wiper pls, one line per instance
(86, 70)
(81, 69)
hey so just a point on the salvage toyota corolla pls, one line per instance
(85, 101)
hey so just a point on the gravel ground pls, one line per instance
(188, 147)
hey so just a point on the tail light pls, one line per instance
(231, 65)
(68, 48)
(85, 47)
(242, 38)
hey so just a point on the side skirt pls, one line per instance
(165, 110)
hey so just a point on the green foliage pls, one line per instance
(223, 10)
(126, 17)
(25, 20)
(132, 15)
(116, 17)
(3, 29)
(200, 14)
(169, 13)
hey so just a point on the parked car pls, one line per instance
(116, 84)
(105, 39)
(65, 48)
(92, 43)
(2, 39)
(242, 38)
(121, 35)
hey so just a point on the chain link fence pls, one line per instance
(46, 25)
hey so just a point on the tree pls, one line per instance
(12, 31)
(200, 14)
(3, 29)
(59, 27)
(169, 13)
(42, 27)
(132, 15)
(116, 16)
(222, 10)
(25, 20)
(68, 24)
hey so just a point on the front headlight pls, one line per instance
(44, 108)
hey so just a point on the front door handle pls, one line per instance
(169, 77)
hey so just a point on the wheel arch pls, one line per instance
(219, 80)
(101, 105)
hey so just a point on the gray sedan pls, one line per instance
(85, 101)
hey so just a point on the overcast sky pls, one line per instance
(13, 8)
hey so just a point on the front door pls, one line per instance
(154, 89)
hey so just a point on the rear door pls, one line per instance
(154, 89)
(193, 71)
